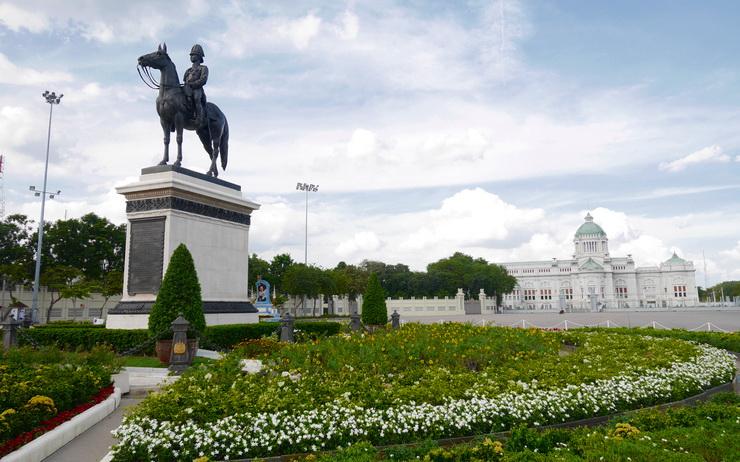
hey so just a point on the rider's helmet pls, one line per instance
(197, 50)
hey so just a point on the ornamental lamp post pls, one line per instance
(51, 99)
(308, 188)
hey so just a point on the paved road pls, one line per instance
(726, 320)
(95, 443)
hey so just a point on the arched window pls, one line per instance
(621, 288)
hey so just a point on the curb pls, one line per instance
(46, 444)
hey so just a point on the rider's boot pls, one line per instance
(199, 115)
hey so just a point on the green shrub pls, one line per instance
(77, 338)
(36, 384)
(227, 336)
(374, 311)
(179, 294)
(70, 324)
(222, 337)
(726, 340)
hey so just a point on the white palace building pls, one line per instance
(593, 280)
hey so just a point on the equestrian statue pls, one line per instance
(184, 106)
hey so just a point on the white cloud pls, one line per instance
(710, 154)
(349, 26)
(16, 18)
(16, 124)
(13, 74)
(105, 22)
(733, 253)
(301, 31)
(363, 143)
(360, 244)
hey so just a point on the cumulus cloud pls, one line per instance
(17, 75)
(710, 154)
(16, 125)
(302, 30)
(16, 18)
(733, 253)
(105, 22)
(361, 243)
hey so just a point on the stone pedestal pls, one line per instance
(169, 206)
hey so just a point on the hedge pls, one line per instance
(215, 337)
(80, 338)
(226, 336)
(725, 340)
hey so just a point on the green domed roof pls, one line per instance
(590, 228)
(675, 260)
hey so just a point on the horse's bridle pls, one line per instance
(150, 81)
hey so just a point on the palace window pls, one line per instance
(621, 292)
(546, 294)
(530, 294)
(679, 291)
(568, 293)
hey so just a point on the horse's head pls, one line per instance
(158, 59)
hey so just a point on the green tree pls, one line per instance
(374, 310)
(63, 282)
(278, 266)
(178, 294)
(111, 284)
(303, 281)
(90, 243)
(16, 252)
(355, 279)
(15, 240)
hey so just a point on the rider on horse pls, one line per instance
(194, 79)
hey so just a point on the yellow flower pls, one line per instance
(40, 400)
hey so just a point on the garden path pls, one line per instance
(93, 444)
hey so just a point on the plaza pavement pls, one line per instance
(728, 320)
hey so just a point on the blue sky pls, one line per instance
(486, 127)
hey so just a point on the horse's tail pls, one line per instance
(225, 145)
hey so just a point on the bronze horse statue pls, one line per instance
(176, 113)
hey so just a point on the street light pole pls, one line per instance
(52, 99)
(308, 188)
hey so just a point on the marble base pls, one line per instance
(170, 206)
(141, 321)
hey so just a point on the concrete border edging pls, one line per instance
(46, 444)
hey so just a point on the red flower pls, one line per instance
(48, 425)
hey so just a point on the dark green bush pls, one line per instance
(374, 311)
(178, 294)
(77, 338)
(80, 324)
(726, 340)
(221, 337)
(227, 336)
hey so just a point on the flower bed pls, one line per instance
(38, 385)
(420, 382)
(51, 424)
(705, 432)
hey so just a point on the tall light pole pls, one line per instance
(52, 99)
(308, 188)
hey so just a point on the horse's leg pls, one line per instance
(166, 129)
(216, 135)
(205, 138)
(178, 127)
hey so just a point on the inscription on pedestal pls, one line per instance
(146, 256)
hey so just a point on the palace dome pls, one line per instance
(589, 228)
(675, 260)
